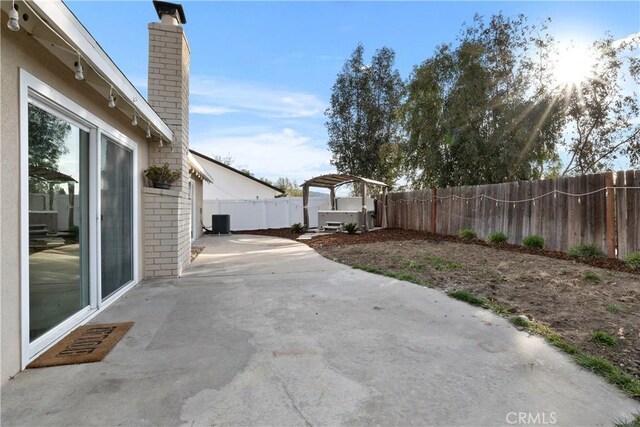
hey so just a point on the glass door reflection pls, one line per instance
(58, 220)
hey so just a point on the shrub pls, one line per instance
(633, 260)
(297, 228)
(351, 228)
(467, 233)
(585, 250)
(533, 241)
(603, 338)
(496, 237)
(162, 174)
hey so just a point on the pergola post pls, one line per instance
(332, 196)
(305, 205)
(363, 187)
(384, 207)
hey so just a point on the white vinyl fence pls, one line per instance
(266, 213)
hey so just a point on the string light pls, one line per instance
(13, 24)
(160, 143)
(112, 98)
(79, 72)
(134, 119)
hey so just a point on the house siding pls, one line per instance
(20, 50)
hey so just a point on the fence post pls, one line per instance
(434, 193)
(610, 215)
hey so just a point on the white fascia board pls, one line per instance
(67, 25)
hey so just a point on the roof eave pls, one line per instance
(59, 17)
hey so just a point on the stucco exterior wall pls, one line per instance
(231, 185)
(20, 50)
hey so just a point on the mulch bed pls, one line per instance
(394, 234)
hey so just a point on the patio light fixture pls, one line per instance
(79, 71)
(112, 98)
(13, 23)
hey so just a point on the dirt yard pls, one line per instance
(573, 298)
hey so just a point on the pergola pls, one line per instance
(332, 181)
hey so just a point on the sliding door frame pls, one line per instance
(34, 91)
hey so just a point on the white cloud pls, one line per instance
(239, 96)
(212, 110)
(271, 154)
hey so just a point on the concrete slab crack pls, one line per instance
(293, 403)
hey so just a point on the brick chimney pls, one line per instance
(167, 212)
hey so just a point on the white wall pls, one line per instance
(261, 214)
(230, 185)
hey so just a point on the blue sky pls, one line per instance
(261, 72)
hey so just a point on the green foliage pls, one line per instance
(468, 297)
(297, 228)
(603, 338)
(479, 111)
(585, 250)
(613, 308)
(520, 321)
(600, 366)
(443, 264)
(351, 228)
(601, 113)
(162, 174)
(592, 277)
(627, 383)
(496, 237)
(635, 422)
(364, 132)
(533, 241)
(633, 260)
(467, 233)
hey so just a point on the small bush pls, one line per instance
(585, 250)
(297, 228)
(351, 228)
(533, 241)
(496, 237)
(467, 297)
(592, 277)
(633, 260)
(603, 338)
(467, 233)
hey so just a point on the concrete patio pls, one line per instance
(264, 331)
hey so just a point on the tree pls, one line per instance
(481, 112)
(364, 132)
(225, 160)
(291, 188)
(47, 134)
(602, 115)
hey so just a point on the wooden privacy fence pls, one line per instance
(603, 209)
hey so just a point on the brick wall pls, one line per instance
(167, 212)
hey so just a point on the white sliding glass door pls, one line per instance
(78, 215)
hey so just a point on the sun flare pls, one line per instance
(573, 65)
